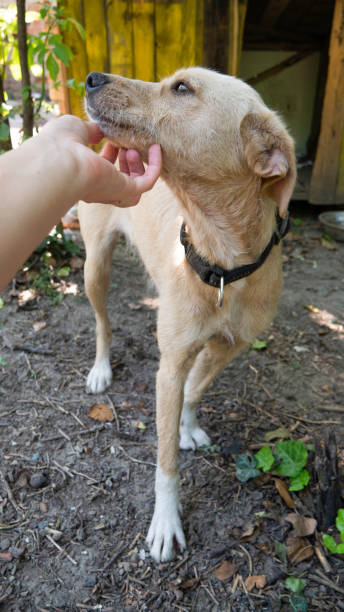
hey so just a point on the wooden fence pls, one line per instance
(150, 39)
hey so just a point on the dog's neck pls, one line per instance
(228, 223)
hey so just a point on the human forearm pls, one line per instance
(37, 188)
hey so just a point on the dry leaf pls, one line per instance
(101, 412)
(38, 325)
(225, 570)
(326, 388)
(298, 549)
(255, 581)
(5, 556)
(303, 525)
(188, 584)
(284, 493)
(249, 531)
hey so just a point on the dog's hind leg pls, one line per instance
(100, 244)
(216, 354)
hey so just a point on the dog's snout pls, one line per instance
(95, 80)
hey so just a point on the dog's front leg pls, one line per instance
(166, 524)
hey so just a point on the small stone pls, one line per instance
(38, 480)
(89, 581)
(5, 544)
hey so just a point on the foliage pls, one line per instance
(297, 601)
(329, 541)
(289, 459)
(45, 49)
(50, 264)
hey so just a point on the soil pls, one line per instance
(76, 494)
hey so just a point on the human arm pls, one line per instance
(44, 177)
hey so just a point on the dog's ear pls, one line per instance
(269, 152)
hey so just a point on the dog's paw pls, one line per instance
(192, 438)
(99, 377)
(191, 434)
(164, 531)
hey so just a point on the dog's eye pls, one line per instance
(181, 88)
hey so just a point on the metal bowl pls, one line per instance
(333, 223)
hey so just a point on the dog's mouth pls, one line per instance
(123, 128)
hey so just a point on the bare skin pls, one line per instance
(44, 177)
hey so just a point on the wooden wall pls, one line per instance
(150, 39)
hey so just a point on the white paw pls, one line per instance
(192, 438)
(166, 526)
(164, 530)
(191, 435)
(99, 377)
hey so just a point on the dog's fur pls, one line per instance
(228, 162)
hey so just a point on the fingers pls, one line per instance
(135, 164)
(95, 134)
(109, 152)
(147, 180)
(123, 163)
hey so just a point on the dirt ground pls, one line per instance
(76, 495)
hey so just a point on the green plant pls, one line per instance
(44, 50)
(48, 266)
(297, 601)
(289, 459)
(329, 541)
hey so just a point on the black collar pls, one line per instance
(212, 274)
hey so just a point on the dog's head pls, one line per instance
(210, 126)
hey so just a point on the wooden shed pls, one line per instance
(291, 51)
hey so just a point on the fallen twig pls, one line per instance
(10, 495)
(62, 550)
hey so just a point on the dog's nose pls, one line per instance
(95, 80)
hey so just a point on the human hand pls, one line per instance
(96, 178)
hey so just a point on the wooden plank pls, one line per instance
(178, 35)
(237, 14)
(120, 38)
(96, 36)
(327, 178)
(144, 39)
(78, 68)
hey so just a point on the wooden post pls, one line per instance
(327, 184)
(237, 14)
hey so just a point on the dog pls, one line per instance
(208, 236)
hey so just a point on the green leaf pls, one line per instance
(297, 222)
(297, 483)
(246, 467)
(4, 131)
(296, 585)
(2, 303)
(340, 520)
(259, 345)
(78, 27)
(298, 604)
(265, 458)
(329, 542)
(52, 66)
(281, 551)
(211, 448)
(340, 549)
(63, 272)
(3, 362)
(293, 455)
(63, 53)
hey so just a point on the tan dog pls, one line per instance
(228, 165)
